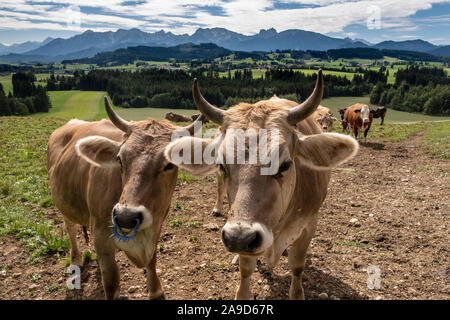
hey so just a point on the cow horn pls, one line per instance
(115, 119)
(191, 127)
(302, 111)
(211, 112)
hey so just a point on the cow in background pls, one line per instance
(379, 112)
(359, 117)
(343, 120)
(325, 118)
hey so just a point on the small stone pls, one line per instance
(137, 295)
(235, 259)
(158, 272)
(266, 287)
(353, 220)
(404, 180)
(3, 273)
(211, 227)
(323, 296)
(378, 298)
(17, 274)
(203, 265)
(333, 297)
(33, 286)
(259, 281)
(132, 289)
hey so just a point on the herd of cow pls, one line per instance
(358, 116)
(123, 171)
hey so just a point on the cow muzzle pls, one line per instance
(246, 238)
(126, 217)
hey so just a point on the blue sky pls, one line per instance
(374, 21)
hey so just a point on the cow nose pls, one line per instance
(126, 218)
(244, 240)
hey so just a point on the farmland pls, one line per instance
(401, 226)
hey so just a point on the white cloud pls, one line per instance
(182, 16)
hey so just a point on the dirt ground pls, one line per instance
(388, 207)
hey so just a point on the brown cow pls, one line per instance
(114, 168)
(325, 118)
(270, 210)
(359, 117)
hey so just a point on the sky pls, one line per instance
(374, 21)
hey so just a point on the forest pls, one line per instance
(28, 98)
(161, 88)
(416, 89)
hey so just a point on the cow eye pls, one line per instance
(284, 167)
(169, 166)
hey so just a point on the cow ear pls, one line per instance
(372, 111)
(193, 154)
(99, 151)
(326, 150)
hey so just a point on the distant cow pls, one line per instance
(343, 120)
(325, 118)
(379, 112)
(114, 170)
(175, 117)
(276, 210)
(359, 117)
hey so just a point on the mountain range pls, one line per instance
(89, 43)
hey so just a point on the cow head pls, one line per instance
(258, 197)
(326, 122)
(366, 115)
(342, 112)
(148, 178)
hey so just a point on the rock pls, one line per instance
(203, 265)
(260, 281)
(323, 296)
(332, 297)
(3, 273)
(211, 227)
(33, 286)
(235, 259)
(378, 298)
(404, 180)
(353, 220)
(132, 289)
(17, 274)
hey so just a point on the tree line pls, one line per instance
(416, 89)
(160, 88)
(27, 98)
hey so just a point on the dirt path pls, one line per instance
(388, 207)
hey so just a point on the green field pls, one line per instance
(85, 105)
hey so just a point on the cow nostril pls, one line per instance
(255, 242)
(226, 240)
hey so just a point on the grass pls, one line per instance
(394, 132)
(24, 185)
(84, 105)
(437, 139)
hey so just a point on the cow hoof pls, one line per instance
(216, 213)
(161, 297)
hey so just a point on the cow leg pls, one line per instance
(154, 288)
(355, 132)
(382, 120)
(217, 211)
(365, 134)
(246, 267)
(106, 252)
(297, 263)
(71, 229)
